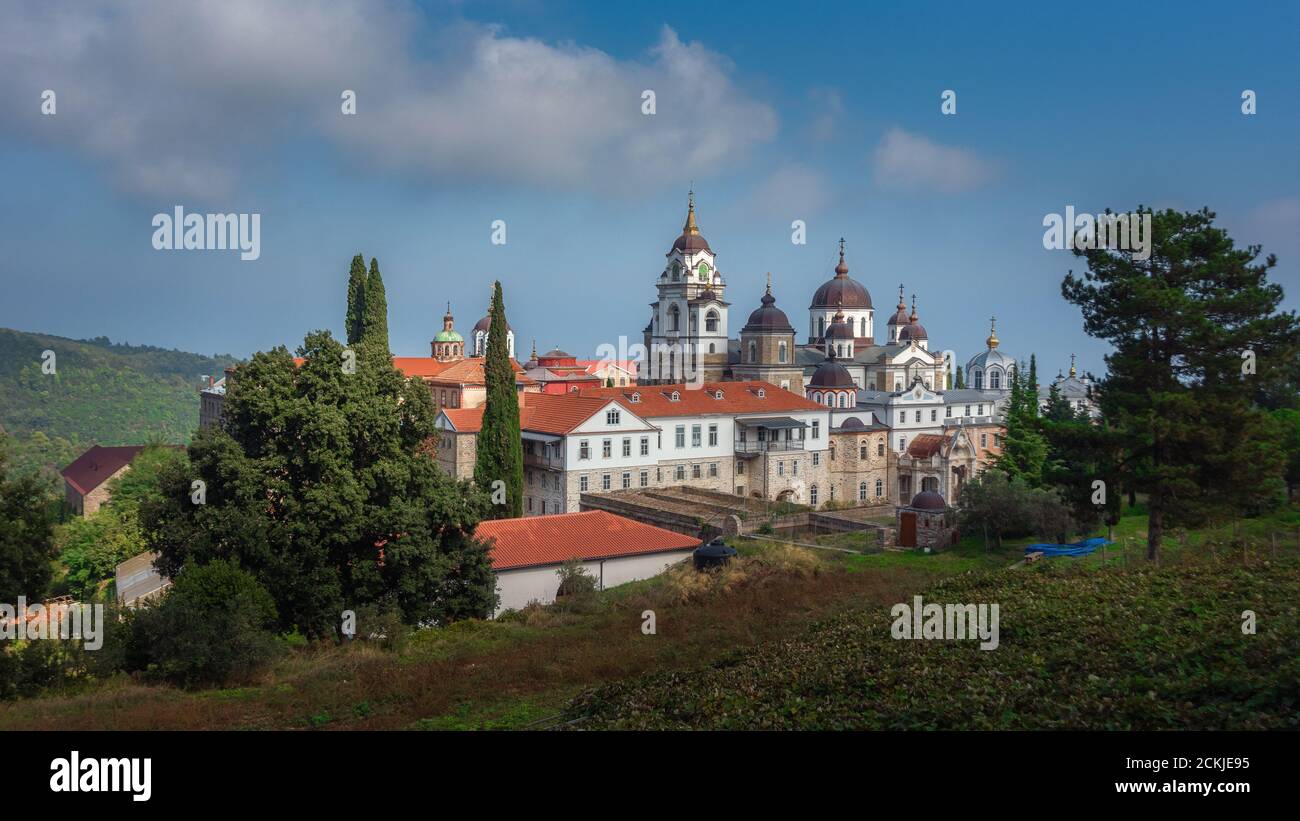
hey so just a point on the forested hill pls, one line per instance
(100, 393)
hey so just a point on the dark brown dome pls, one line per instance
(912, 330)
(841, 290)
(839, 329)
(688, 243)
(831, 374)
(485, 324)
(928, 500)
(768, 319)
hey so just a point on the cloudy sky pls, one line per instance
(531, 113)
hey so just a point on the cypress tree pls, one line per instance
(961, 383)
(375, 325)
(500, 449)
(354, 323)
(1033, 374)
(1024, 452)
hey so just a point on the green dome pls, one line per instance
(448, 336)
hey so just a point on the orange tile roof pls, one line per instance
(738, 397)
(465, 420)
(589, 536)
(421, 366)
(925, 445)
(469, 371)
(558, 413)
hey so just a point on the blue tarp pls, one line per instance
(1082, 548)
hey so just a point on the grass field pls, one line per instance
(532, 667)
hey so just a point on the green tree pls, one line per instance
(375, 331)
(355, 321)
(1288, 422)
(961, 381)
(1024, 448)
(92, 547)
(27, 517)
(1181, 323)
(316, 487)
(500, 448)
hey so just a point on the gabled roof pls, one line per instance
(737, 398)
(550, 540)
(469, 371)
(464, 420)
(97, 465)
(421, 366)
(558, 413)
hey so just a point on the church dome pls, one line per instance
(448, 336)
(900, 316)
(485, 324)
(913, 330)
(841, 290)
(831, 374)
(691, 240)
(928, 500)
(768, 319)
(840, 328)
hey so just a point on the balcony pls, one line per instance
(537, 460)
(753, 446)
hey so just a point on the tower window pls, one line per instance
(781, 352)
(711, 322)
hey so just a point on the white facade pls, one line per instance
(518, 587)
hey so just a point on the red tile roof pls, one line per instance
(422, 366)
(589, 536)
(97, 465)
(465, 420)
(468, 372)
(737, 397)
(558, 413)
(925, 445)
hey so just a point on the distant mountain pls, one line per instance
(100, 393)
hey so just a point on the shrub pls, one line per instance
(215, 624)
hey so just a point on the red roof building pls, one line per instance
(86, 479)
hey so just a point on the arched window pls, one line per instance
(880, 488)
(995, 380)
(677, 271)
(864, 327)
(711, 348)
(821, 326)
(704, 271)
(753, 351)
(673, 318)
(880, 447)
(862, 491)
(711, 321)
(780, 352)
(979, 380)
(839, 350)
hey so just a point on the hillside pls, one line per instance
(101, 393)
(1118, 649)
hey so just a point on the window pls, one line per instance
(645, 445)
(711, 322)
(902, 417)
(864, 327)
(995, 380)
(761, 393)
(604, 482)
(530, 504)
(918, 416)
(753, 351)
(984, 440)
(645, 478)
(780, 352)
(902, 443)
(812, 495)
(681, 436)
(794, 468)
(584, 450)
(627, 481)
(718, 394)
(606, 447)
(695, 471)
(947, 412)
(582, 484)
(677, 271)
(934, 414)
(673, 315)
(611, 417)
(981, 410)
(816, 429)
(703, 271)
(740, 468)
(880, 488)
(627, 446)
(817, 458)
(680, 473)
(880, 448)
(544, 507)
(713, 435)
(780, 468)
(695, 436)
(967, 412)
(862, 491)
(832, 491)
(676, 397)
(636, 397)
(832, 453)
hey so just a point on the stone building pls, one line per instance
(767, 347)
(862, 466)
(924, 522)
(85, 480)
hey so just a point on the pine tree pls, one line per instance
(1024, 450)
(375, 327)
(355, 321)
(500, 449)
(1183, 322)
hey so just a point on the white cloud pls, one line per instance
(182, 98)
(909, 162)
(827, 108)
(790, 192)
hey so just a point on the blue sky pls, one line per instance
(530, 113)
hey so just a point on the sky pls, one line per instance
(532, 113)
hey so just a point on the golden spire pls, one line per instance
(690, 227)
(992, 341)
(1071, 364)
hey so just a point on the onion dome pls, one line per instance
(448, 333)
(831, 374)
(840, 328)
(900, 316)
(841, 290)
(992, 341)
(928, 500)
(691, 240)
(768, 319)
(912, 330)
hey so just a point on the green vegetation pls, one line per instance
(500, 450)
(355, 321)
(100, 393)
(27, 517)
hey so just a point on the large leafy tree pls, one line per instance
(355, 321)
(315, 486)
(500, 449)
(1182, 323)
(375, 327)
(27, 517)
